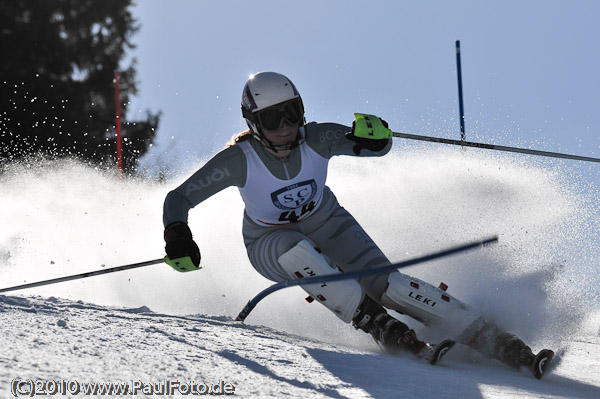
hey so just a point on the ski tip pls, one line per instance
(541, 363)
(441, 349)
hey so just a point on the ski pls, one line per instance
(440, 350)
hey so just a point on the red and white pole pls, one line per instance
(118, 124)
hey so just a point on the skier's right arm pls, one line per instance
(227, 168)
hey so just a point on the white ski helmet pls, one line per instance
(268, 100)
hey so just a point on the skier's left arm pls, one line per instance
(369, 136)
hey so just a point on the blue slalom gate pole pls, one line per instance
(460, 93)
(358, 274)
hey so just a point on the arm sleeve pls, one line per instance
(227, 168)
(329, 139)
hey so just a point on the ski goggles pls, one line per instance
(272, 118)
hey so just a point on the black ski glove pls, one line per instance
(180, 244)
(367, 143)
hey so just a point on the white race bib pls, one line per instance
(272, 201)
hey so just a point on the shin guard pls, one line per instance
(341, 297)
(422, 301)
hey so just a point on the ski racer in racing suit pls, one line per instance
(294, 226)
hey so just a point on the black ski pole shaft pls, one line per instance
(83, 275)
(494, 147)
(358, 274)
(460, 93)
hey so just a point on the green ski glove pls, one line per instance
(369, 132)
(184, 264)
(183, 254)
(370, 127)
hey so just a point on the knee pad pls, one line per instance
(431, 305)
(341, 297)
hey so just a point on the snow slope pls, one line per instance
(51, 338)
(539, 282)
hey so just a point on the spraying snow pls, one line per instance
(66, 218)
(62, 219)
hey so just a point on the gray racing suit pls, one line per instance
(329, 227)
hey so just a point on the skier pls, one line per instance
(294, 227)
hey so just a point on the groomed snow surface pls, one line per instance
(51, 338)
(154, 325)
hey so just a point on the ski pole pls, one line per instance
(360, 273)
(83, 275)
(493, 147)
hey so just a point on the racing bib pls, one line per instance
(272, 201)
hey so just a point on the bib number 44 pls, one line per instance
(293, 217)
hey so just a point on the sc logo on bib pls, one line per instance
(294, 196)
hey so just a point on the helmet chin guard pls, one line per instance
(266, 97)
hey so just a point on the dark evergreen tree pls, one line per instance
(57, 81)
